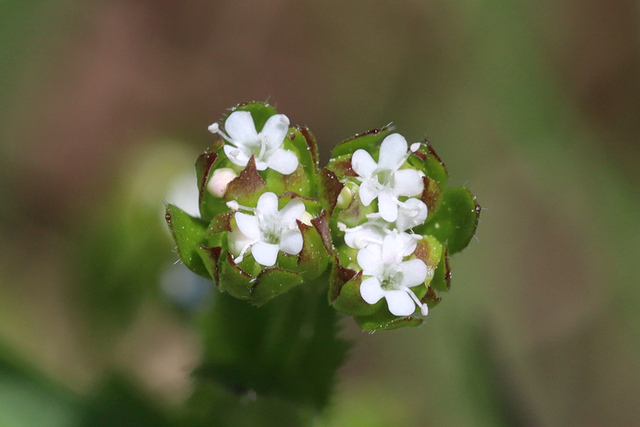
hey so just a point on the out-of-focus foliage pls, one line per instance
(534, 105)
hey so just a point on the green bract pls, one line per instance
(270, 220)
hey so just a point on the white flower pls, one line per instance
(265, 145)
(391, 277)
(411, 213)
(219, 181)
(268, 231)
(385, 180)
(374, 232)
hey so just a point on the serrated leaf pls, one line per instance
(188, 232)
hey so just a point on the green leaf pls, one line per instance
(207, 162)
(429, 250)
(273, 282)
(383, 320)
(431, 195)
(314, 258)
(233, 279)
(119, 403)
(346, 298)
(427, 160)
(260, 111)
(455, 221)
(210, 257)
(365, 141)
(298, 181)
(188, 232)
(286, 350)
(441, 281)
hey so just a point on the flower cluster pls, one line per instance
(382, 241)
(258, 234)
(271, 220)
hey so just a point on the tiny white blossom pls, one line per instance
(391, 277)
(268, 230)
(374, 231)
(219, 181)
(411, 213)
(385, 180)
(245, 141)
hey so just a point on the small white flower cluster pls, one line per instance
(266, 146)
(383, 242)
(268, 231)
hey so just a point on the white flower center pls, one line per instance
(268, 230)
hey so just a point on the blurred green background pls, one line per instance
(535, 106)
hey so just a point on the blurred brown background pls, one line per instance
(535, 106)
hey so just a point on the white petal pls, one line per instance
(238, 241)
(236, 155)
(409, 244)
(393, 249)
(275, 130)
(248, 225)
(363, 235)
(399, 303)
(363, 164)
(392, 151)
(268, 204)
(411, 213)
(387, 206)
(265, 253)
(371, 291)
(283, 161)
(241, 128)
(414, 272)
(407, 182)
(292, 211)
(367, 193)
(261, 165)
(291, 242)
(369, 260)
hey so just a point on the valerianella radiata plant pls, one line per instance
(289, 245)
(377, 221)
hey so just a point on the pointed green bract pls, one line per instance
(273, 282)
(366, 141)
(188, 233)
(456, 220)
